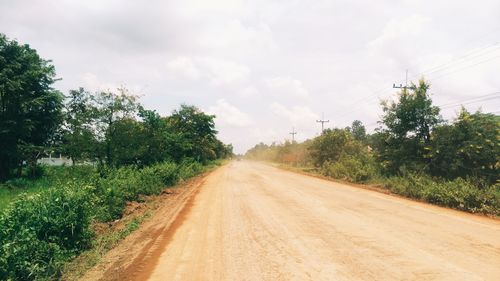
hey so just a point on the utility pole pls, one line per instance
(322, 121)
(293, 133)
(401, 85)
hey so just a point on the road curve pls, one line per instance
(251, 221)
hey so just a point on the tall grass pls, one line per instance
(459, 193)
(52, 176)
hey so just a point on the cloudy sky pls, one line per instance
(264, 67)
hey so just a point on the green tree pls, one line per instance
(192, 135)
(79, 139)
(128, 142)
(331, 145)
(30, 109)
(358, 130)
(222, 150)
(408, 125)
(469, 147)
(110, 108)
(156, 137)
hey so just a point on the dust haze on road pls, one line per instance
(251, 221)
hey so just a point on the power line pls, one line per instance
(367, 98)
(489, 96)
(472, 54)
(471, 102)
(469, 66)
(432, 70)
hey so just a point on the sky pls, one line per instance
(267, 67)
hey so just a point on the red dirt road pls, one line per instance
(250, 221)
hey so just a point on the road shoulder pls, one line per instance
(160, 216)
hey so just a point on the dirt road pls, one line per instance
(251, 221)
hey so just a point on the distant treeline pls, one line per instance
(413, 144)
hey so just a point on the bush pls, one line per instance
(350, 168)
(127, 183)
(458, 194)
(189, 168)
(114, 189)
(40, 232)
(168, 173)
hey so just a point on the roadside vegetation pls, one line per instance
(413, 153)
(120, 152)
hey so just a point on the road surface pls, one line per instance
(251, 221)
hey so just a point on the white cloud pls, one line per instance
(403, 39)
(183, 67)
(229, 115)
(218, 72)
(286, 87)
(249, 91)
(400, 30)
(296, 115)
(193, 8)
(233, 34)
(223, 72)
(91, 82)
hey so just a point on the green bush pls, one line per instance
(189, 168)
(350, 168)
(40, 232)
(458, 194)
(468, 195)
(127, 183)
(114, 189)
(168, 173)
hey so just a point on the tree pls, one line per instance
(110, 108)
(467, 148)
(358, 130)
(155, 135)
(331, 145)
(408, 125)
(128, 142)
(30, 109)
(192, 135)
(79, 139)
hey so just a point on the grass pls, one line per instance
(7, 195)
(104, 242)
(11, 189)
(459, 194)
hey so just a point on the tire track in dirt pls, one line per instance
(135, 257)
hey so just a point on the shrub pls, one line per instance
(458, 194)
(114, 189)
(40, 232)
(168, 173)
(189, 168)
(127, 183)
(350, 168)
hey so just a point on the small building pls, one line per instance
(55, 161)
